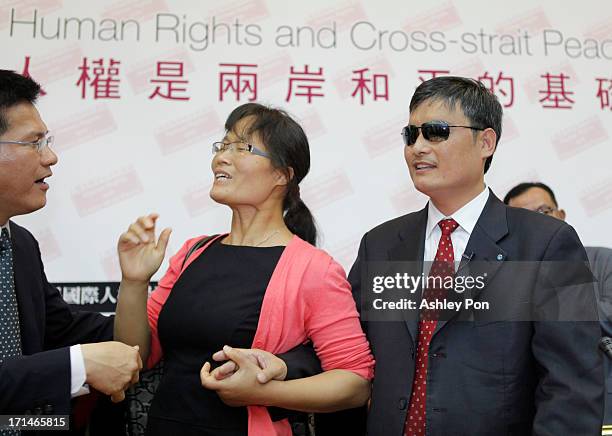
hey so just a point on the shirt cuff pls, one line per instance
(77, 372)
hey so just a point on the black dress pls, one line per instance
(216, 301)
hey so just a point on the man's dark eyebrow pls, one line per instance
(36, 134)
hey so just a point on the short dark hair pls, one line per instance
(15, 89)
(288, 146)
(522, 187)
(478, 103)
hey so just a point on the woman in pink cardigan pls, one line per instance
(262, 286)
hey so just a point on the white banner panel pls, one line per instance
(137, 90)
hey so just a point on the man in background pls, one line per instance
(538, 197)
(48, 354)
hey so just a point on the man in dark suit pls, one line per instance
(48, 353)
(540, 198)
(532, 366)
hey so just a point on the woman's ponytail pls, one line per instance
(298, 218)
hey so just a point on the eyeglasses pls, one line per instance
(546, 210)
(239, 146)
(437, 131)
(46, 141)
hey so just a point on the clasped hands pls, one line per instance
(243, 379)
(111, 367)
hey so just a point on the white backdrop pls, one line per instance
(126, 156)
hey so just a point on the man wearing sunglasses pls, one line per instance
(473, 373)
(540, 198)
(48, 353)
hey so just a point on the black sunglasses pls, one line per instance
(436, 131)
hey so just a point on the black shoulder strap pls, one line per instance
(195, 247)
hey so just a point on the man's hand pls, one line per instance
(270, 366)
(243, 388)
(111, 367)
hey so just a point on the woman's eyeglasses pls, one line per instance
(239, 146)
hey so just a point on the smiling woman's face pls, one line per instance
(242, 178)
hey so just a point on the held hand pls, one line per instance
(118, 397)
(111, 367)
(243, 387)
(139, 254)
(270, 366)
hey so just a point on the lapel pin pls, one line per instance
(500, 257)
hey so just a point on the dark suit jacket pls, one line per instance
(600, 259)
(39, 381)
(486, 376)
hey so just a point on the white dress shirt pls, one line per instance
(77, 363)
(466, 217)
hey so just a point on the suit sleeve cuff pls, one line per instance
(77, 372)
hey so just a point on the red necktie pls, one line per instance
(443, 266)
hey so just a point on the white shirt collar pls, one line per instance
(466, 217)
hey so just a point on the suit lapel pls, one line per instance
(25, 284)
(484, 253)
(410, 248)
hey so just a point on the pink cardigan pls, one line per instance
(308, 297)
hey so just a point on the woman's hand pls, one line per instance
(242, 388)
(271, 367)
(139, 254)
(330, 391)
